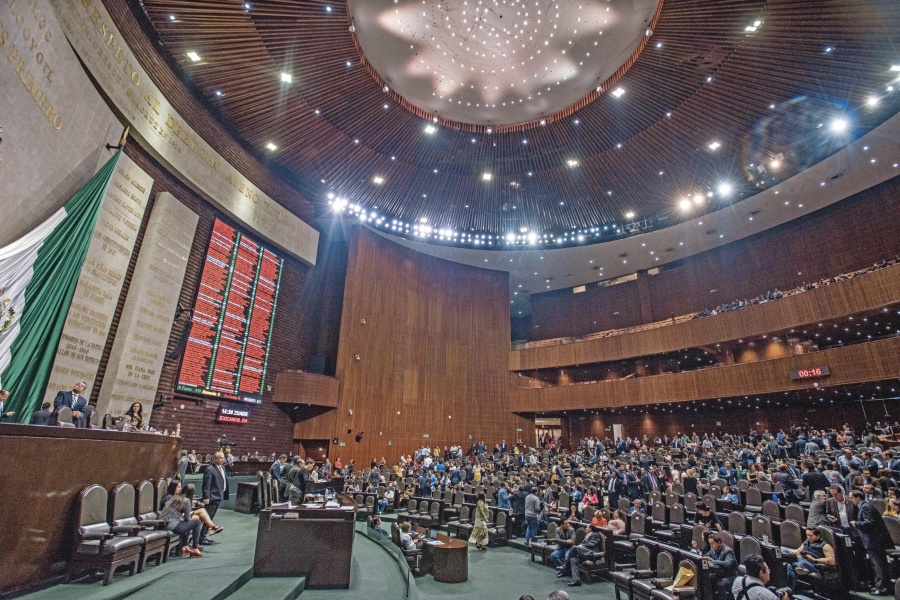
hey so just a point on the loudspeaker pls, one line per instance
(317, 364)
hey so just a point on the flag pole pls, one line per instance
(122, 141)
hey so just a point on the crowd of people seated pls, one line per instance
(694, 495)
(767, 296)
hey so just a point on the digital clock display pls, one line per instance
(231, 414)
(810, 373)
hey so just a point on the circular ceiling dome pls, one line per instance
(500, 62)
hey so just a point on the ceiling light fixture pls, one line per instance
(193, 56)
(618, 92)
(629, 215)
(714, 145)
(430, 129)
(486, 176)
(286, 77)
(378, 180)
(840, 125)
(685, 204)
(271, 146)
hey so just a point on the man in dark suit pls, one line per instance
(4, 414)
(215, 489)
(876, 539)
(591, 544)
(650, 481)
(43, 416)
(277, 469)
(74, 400)
(839, 510)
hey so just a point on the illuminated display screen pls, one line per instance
(231, 414)
(227, 351)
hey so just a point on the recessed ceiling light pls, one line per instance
(839, 125)
(685, 204)
(618, 92)
(486, 176)
(429, 129)
(724, 189)
(271, 146)
(378, 180)
(218, 92)
(286, 77)
(895, 67)
(714, 145)
(171, 17)
(572, 163)
(629, 215)
(193, 56)
(872, 101)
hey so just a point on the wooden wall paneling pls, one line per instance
(873, 290)
(299, 387)
(872, 361)
(718, 419)
(742, 269)
(293, 338)
(37, 540)
(432, 354)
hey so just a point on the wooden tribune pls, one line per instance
(316, 543)
(447, 561)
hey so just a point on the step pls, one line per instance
(270, 588)
(215, 583)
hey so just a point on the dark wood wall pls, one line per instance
(872, 361)
(431, 338)
(843, 237)
(724, 418)
(871, 291)
(294, 336)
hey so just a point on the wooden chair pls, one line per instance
(689, 590)
(148, 515)
(627, 573)
(543, 548)
(642, 588)
(154, 539)
(98, 545)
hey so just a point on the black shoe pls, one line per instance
(574, 583)
(877, 592)
(206, 542)
(560, 574)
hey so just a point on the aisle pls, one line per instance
(507, 573)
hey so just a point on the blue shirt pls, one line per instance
(503, 499)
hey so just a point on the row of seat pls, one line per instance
(119, 529)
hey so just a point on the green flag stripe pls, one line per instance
(49, 294)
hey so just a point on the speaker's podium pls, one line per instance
(313, 540)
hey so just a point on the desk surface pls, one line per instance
(449, 559)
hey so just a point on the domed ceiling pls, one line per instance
(500, 62)
(385, 107)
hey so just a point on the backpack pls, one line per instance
(745, 588)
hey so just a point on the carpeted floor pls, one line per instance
(498, 573)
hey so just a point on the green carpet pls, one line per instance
(182, 577)
(498, 573)
(507, 573)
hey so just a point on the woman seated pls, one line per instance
(197, 514)
(177, 516)
(599, 520)
(617, 523)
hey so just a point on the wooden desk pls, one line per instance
(448, 562)
(38, 546)
(317, 544)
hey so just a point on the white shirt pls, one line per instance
(842, 512)
(224, 479)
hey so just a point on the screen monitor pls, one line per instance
(227, 350)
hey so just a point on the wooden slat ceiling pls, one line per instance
(710, 80)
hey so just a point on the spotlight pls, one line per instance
(840, 125)
(724, 189)
(685, 204)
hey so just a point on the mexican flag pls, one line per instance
(38, 274)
